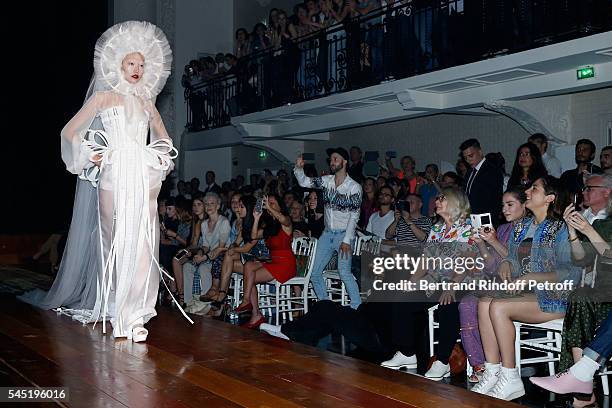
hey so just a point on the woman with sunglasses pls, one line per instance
(537, 252)
(451, 238)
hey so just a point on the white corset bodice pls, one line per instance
(126, 155)
(122, 133)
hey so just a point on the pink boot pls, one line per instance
(563, 383)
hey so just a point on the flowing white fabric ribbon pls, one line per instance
(159, 154)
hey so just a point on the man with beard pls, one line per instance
(342, 202)
(605, 159)
(573, 180)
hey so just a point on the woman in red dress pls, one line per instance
(275, 227)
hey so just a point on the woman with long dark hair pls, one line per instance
(314, 213)
(538, 251)
(243, 244)
(528, 166)
(275, 227)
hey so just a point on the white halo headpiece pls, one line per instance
(123, 39)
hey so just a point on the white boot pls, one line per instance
(489, 378)
(400, 361)
(438, 371)
(509, 386)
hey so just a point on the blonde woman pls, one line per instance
(450, 237)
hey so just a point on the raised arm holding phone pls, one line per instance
(342, 203)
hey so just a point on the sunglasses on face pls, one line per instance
(441, 198)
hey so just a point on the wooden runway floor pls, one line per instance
(209, 364)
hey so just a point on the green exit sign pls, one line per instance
(586, 72)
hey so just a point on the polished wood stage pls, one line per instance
(208, 364)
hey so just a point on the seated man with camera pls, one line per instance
(409, 227)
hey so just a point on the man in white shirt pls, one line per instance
(597, 188)
(381, 219)
(342, 202)
(552, 164)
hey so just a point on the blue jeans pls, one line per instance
(600, 349)
(328, 243)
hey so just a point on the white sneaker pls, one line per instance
(509, 386)
(487, 382)
(400, 361)
(438, 371)
(273, 330)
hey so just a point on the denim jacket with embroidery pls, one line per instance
(550, 252)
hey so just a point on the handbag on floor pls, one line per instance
(457, 360)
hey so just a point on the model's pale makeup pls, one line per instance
(133, 67)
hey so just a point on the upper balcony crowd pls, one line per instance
(330, 46)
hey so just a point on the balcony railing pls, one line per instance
(410, 38)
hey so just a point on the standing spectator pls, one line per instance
(195, 187)
(312, 10)
(485, 182)
(407, 172)
(259, 38)
(342, 199)
(355, 169)
(462, 168)
(242, 47)
(572, 180)
(285, 61)
(211, 185)
(374, 36)
(528, 166)
(429, 190)
(380, 220)
(368, 204)
(552, 164)
(605, 159)
(498, 159)
(192, 80)
(315, 214)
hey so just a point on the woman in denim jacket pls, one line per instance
(538, 250)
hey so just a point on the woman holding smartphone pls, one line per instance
(275, 227)
(243, 244)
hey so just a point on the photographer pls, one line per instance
(409, 226)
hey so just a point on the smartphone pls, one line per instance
(575, 202)
(308, 156)
(181, 254)
(403, 205)
(259, 205)
(392, 154)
